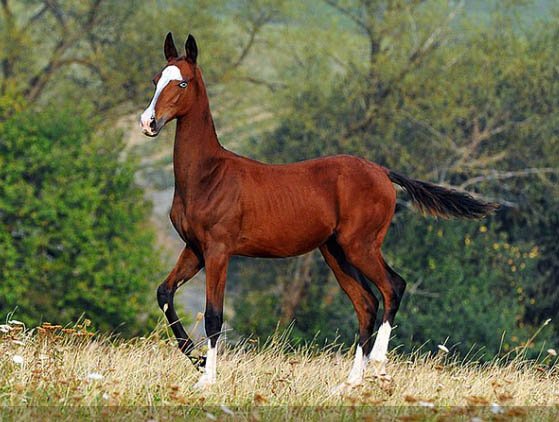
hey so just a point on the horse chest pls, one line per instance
(192, 220)
(179, 219)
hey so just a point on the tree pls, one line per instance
(100, 54)
(97, 57)
(74, 237)
(463, 103)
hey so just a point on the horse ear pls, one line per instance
(191, 49)
(169, 48)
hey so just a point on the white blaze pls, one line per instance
(170, 73)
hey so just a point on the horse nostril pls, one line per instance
(152, 124)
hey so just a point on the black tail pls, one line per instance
(436, 200)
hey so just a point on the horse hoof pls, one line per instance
(385, 378)
(342, 389)
(204, 382)
(198, 362)
(380, 368)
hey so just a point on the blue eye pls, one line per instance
(183, 84)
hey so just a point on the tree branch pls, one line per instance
(495, 175)
(416, 57)
(351, 16)
(257, 23)
(39, 81)
(272, 86)
(34, 18)
(7, 64)
(428, 45)
(6, 9)
(494, 127)
(58, 13)
(448, 140)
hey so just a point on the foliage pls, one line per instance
(460, 93)
(472, 105)
(73, 228)
(468, 284)
(323, 315)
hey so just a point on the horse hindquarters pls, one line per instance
(367, 202)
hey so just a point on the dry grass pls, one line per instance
(73, 368)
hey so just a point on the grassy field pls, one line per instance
(84, 376)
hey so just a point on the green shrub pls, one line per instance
(74, 237)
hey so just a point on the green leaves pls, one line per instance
(72, 224)
(475, 109)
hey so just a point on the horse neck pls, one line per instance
(197, 149)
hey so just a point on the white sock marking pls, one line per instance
(381, 343)
(211, 361)
(209, 375)
(170, 73)
(359, 363)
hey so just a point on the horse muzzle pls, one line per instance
(151, 127)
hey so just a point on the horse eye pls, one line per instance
(183, 84)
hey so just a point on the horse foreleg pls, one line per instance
(186, 268)
(216, 275)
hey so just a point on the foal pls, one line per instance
(226, 205)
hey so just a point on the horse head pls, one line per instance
(176, 87)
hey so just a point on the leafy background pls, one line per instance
(460, 93)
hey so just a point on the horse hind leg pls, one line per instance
(364, 301)
(391, 287)
(187, 266)
(392, 297)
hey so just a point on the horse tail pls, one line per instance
(440, 201)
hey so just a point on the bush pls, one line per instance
(466, 282)
(74, 237)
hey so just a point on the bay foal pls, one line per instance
(226, 205)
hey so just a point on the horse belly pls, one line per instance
(284, 233)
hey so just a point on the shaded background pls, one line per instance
(460, 93)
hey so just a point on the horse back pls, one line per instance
(291, 209)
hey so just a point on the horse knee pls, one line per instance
(164, 296)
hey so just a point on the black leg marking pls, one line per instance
(357, 287)
(398, 287)
(213, 319)
(165, 298)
